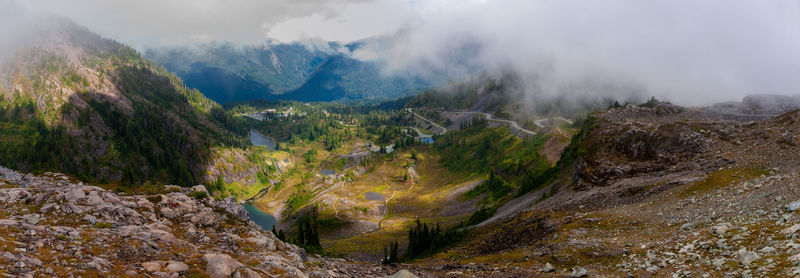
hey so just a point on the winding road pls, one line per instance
(441, 128)
(512, 124)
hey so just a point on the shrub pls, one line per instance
(198, 195)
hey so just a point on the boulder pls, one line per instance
(578, 272)
(204, 218)
(32, 219)
(200, 188)
(793, 206)
(548, 268)
(74, 195)
(48, 207)
(153, 266)
(262, 242)
(8, 222)
(170, 212)
(176, 267)
(748, 257)
(791, 230)
(233, 207)
(719, 229)
(220, 265)
(94, 199)
(403, 274)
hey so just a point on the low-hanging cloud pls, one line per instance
(689, 52)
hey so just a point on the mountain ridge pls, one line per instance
(302, 71)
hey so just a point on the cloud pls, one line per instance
(144, 23)
(690, 52)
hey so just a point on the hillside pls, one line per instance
(74, 102)
(653, 190)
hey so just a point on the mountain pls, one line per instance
(306, 71)
(508, 94)
(758, 106)
(75, 102)
(229, 73)
(342, 78)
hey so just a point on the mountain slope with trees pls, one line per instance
(75, 102)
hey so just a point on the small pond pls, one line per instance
(265, 220)
(259, 139)
(374, 196)
(328, 172)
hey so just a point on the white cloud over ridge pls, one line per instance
(690, 52)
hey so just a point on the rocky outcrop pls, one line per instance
(649, 138)
(52, 226)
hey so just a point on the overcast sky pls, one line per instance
(689, 51)
(155, 22)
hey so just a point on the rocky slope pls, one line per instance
(52, 226)
(655, 190)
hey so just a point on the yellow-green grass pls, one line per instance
(721, 179)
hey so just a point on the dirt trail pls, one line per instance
(512, 207)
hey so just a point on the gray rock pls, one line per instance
(74, 195)
(199, 188)
(175, 267)
(8, 256)
(262, 242)
(48, 207)
(748, 257)
(793, 206)
(8, 222)
(32, 219)
(100, 264)
(31, 261)
(161, 274)
(94, 199)
(719, 229)
(768, 249)
(233, 207)
(170, 213)
(154, 266)
(578, 272)
(687, 226)
(548, 268)
(403, 274)
(204, 218)
(90, 218)
(220, 265)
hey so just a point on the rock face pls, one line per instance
(91, 231)
(632, 141)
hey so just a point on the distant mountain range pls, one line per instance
(305, 71)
